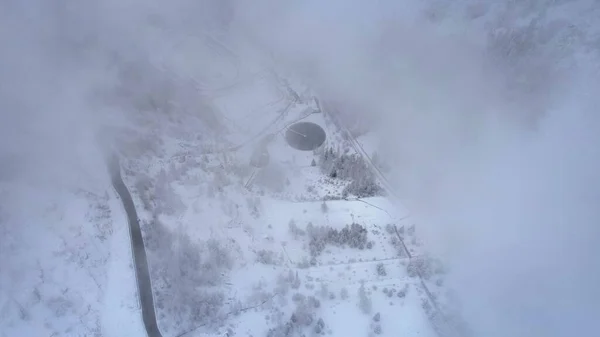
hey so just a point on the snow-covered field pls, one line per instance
(302, 243)
(260, 251)
(282, 250)
(68, 267)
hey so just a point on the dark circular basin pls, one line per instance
(305, 136)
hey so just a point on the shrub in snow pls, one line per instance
(184, 273)
(324, 207)
(157, 237)
(145, 188)
(283, 286)
(184, 306)
(294, 229)
(341, 165)
(390, 228)
(298, 297)
(363, 187)
(302, 318)
(220, 180)
(167, 201)
(331, 197)
(205, 304)
(426, 306)
(305, 263)
(314, 302)
(416, 267)
(324, 291)
(320, 326)
(254, 205)
(353, 236)
(401, 230)
(284, 330)
(266, 257)
(377, 329)
(344, 294)
(402, 292)
(293, 279)
(425, 267)
(59, 305)
(310, 229)
(381, 270)
(218, 255)
(316, 246)
(303, 315)
(364, 302)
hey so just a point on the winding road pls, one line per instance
(142, 273)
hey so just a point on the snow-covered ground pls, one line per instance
(300, 246)
(67, 268)
(314, 242)
(260, 251)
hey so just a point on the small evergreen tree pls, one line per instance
(364, 302)
(324, 207)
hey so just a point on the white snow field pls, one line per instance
(282, 250)
(67, 267)
(245, 235)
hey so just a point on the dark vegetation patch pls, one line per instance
(341, 165)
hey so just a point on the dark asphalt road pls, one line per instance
(139, 253)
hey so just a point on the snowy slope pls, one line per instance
(237, 249)
(68, 267)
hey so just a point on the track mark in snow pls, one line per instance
(356, 272)
(352, 263)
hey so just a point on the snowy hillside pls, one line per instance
(248, 171)
(68, 268)
(280, 249)
(296, 245)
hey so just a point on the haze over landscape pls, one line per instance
(484, 112)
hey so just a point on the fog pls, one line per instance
(494, 146)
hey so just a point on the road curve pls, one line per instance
(140, 259)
